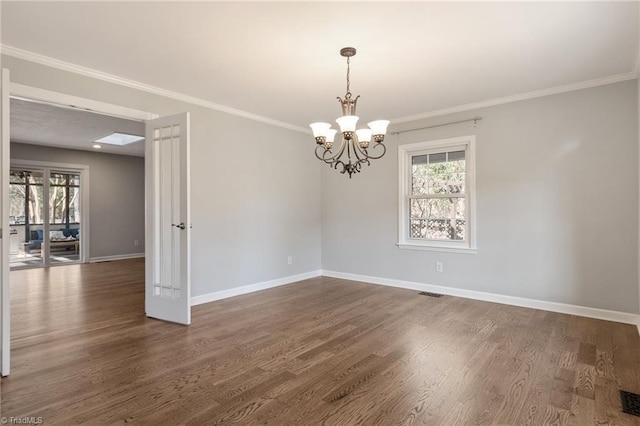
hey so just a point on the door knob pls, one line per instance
(181, 226)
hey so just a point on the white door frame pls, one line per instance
(5, 311)
(30, 93)
(85, 229)
(20, 91)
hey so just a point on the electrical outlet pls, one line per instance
(136, 243)
(290, 260)
(439, 267)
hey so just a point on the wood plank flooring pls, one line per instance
(322, 351)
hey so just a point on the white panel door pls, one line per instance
(5, 314)
(168, 221)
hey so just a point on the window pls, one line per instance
(27, 202)
(437, 195)
(25, 197)
(64, 200)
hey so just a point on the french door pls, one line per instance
(168, 286)
(45, 216)
(168, 241)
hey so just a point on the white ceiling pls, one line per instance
(41, 124)
(280, 59)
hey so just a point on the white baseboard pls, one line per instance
(115, 257)
(563, 308)
(224, 294)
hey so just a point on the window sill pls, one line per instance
(462, 250)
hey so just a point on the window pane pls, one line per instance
(74, 205)
(419, 208)
(35, 178)
(16, 204)
(438, 219)
(57, 204)
(74, 180)
(36, 203)
(17, 176)
(439, 173)
(58, 179)
(447, 176)
(419, 177)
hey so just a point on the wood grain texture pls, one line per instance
(322, 351)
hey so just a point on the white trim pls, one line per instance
(404, 183)
(563, 308)
(88, 72)
(521, 97)
(224, 294)
(5, 288)
(462, 250)
(16, 162)
(115, 257)
(20, 91)
(636, 68)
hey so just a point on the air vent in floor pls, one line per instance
(426, 293)
(630, 403)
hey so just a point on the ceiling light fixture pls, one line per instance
(354, 142)
(96, 146)
(119, 139)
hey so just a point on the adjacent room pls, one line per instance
(55, 151)
(455, 241)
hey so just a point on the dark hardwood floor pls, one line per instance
(322, 351)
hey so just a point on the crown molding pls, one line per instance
(522, 96)
(89, 72)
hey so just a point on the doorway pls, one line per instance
(167, 295)
(46, 211)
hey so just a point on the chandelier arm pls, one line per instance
(356, 148)
(331, 159)
(338, 153)
(376, 157)
(363, 151)
(361, 160)
(340, 163)
(323, 154)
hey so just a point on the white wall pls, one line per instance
(255, 187)
(116, 195)
(557, 204)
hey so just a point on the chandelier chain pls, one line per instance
(348, 95)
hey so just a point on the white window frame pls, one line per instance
(405, 153)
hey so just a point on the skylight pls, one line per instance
(119, 139)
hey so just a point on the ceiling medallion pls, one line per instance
(355, 143)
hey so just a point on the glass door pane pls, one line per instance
(64, 217)
(26, 210)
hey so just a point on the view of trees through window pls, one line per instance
(26, 198)
(438, 196)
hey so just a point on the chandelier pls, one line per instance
(355, 143)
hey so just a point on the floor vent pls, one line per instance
(426, 293)
(630, 403)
